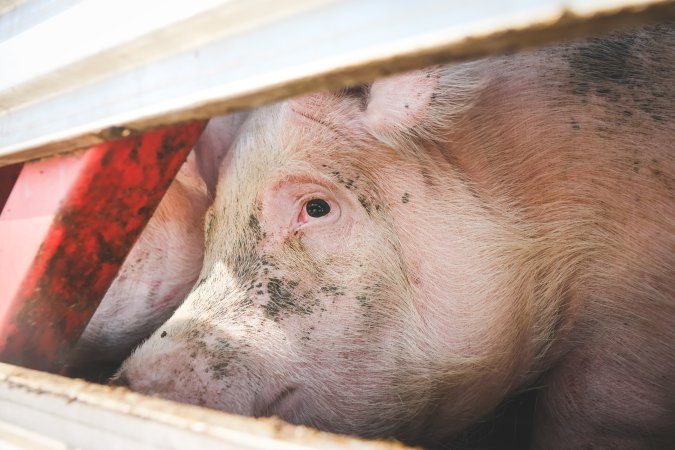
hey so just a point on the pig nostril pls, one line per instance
(119, 380)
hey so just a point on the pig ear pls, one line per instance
(400, 102)
(214, 144)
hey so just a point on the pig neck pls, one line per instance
(571, 181)
(473, 319)
(529, 167)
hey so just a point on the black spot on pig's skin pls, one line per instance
(364, 302)
(332, 290)
(405, 198)
(426, 176)
(343, 180)
(338, 176)
(244, 261)
(627, 69)
(364, 202)
(602, 63)
(283, 299)
(219, 370)
(254, 225)
(195, 334)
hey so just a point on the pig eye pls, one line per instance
(317, 207)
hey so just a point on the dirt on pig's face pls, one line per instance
(321, 296)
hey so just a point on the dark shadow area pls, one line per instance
(94, 371)
(509, 427)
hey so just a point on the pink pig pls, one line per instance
(396, 259)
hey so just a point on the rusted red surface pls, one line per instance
(8, 175)
(65, 230)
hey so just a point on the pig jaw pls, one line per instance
(253, 366)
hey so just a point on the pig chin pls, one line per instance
(174, 375)
(270, 381)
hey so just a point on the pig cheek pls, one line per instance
(342, 237)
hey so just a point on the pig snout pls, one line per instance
(201, 364)
(397, 259)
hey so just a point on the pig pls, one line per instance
(398, 258)
(161, 267)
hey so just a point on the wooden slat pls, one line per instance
(16, 16)
(77, 414)
(241, 53)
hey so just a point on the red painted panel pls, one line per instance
(65, 230)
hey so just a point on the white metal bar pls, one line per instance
(135, 36)
(16, 16)
(198, 61)
(17, 438)
(50, 411)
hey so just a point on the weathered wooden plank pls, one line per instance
(236, 54)
(87, 416)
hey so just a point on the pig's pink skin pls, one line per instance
(495, 223)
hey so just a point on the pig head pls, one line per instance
(394, 259)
